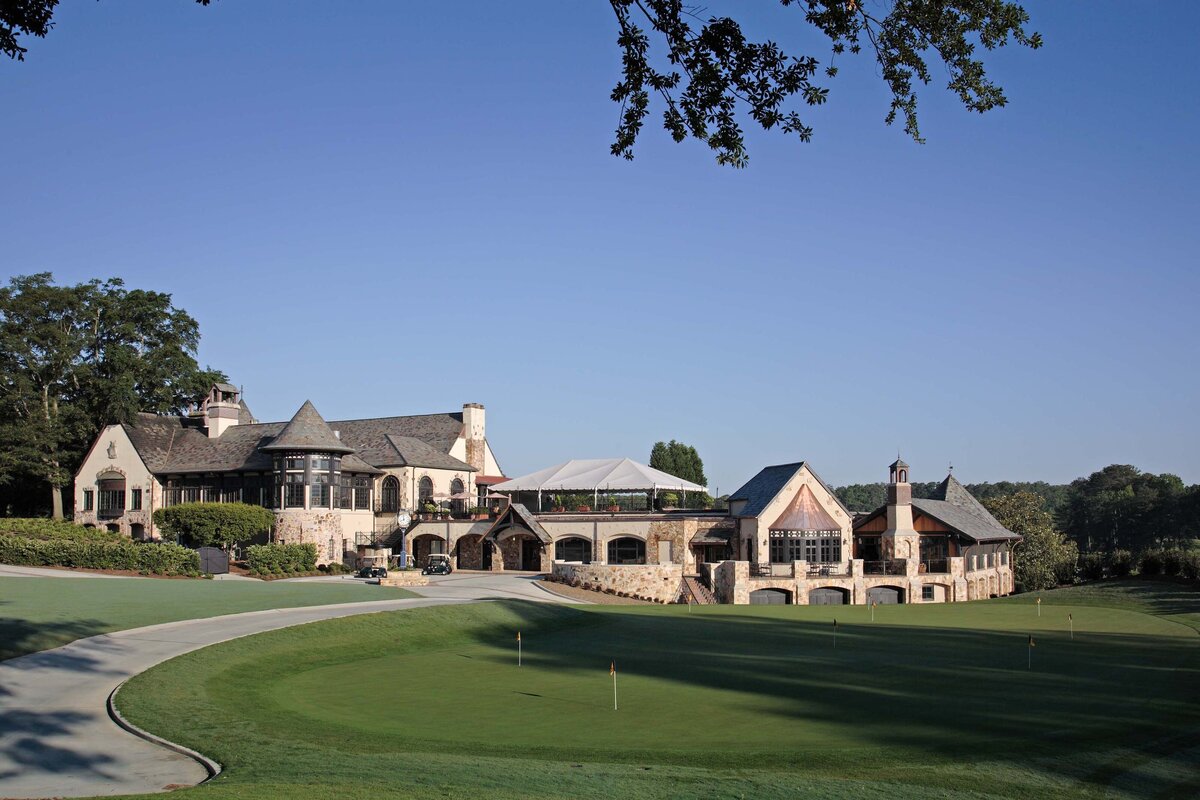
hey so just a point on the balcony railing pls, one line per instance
(827, 570)
(935, 565)
(884, 567)
(772, 570)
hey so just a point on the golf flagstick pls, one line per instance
(1039, 605)
(612, 670)
(1029, 665)
(518, 648)
(1071, 623)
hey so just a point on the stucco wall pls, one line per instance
(127, 463)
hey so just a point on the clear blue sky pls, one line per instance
(394, 208)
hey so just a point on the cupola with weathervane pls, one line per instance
(900, 540)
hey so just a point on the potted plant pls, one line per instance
(583, 509)
(560, 509)
(428, 510)
(478, 512)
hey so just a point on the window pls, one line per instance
(458, 506)
(927, 593)
(293, 490)
(389, 498)
(627, 550)
(424, 491)
(89, 500)
(319, 463)
(112, 497)
(295, 462)
(346, 492)
(816, 548)
(319, 496)
(135, 499)
(362, 493)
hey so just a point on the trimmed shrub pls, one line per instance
(1120, 563)
(1092, 566)
(47, 529)
(1190, 568)
(1150, 563)
(157, 559)
(1172, 561)
(278, 558)
(214, 524)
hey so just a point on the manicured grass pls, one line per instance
(40, 613)
(927, 701)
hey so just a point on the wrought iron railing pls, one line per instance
(895, 567)
(936, 565)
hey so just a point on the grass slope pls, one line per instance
(40, 613)
(927, 701)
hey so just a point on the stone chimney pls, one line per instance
(474, 431)
(900, 540)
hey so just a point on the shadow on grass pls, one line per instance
(924, 695)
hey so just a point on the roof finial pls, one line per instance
(951, 467)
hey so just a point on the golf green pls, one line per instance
(946, 700)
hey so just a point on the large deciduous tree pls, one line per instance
(709, 77)
(1045, 557)
(1121, 507)
(76, 358)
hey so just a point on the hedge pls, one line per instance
(42, 528)
(278, 558)
(159, 559)
(214, 524)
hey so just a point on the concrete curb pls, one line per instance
(211, 767)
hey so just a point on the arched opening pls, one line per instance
(885, 595)
(626, 550)
(770, 597)
(903, 476)
(113, 527)
(468, 552)
(137, 531)
(111, 496)
(424, 492)
(458, 506)
(574, 548)
(828, 596)
(426, 545)
(389, 495)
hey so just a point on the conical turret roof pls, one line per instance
(804, 513)
(308, 431)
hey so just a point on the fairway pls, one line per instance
(40, 613)
(933, 700)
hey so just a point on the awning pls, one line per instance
(598, 474)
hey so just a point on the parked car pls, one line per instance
(438, 564)
(373, 572)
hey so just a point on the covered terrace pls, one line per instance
(613, 485)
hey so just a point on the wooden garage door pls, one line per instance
(826, 597)
(885, 595)
(770, 597)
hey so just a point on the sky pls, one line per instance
(396, 208)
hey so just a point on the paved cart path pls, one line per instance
(57, 740)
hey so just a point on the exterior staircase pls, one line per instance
(695, 592)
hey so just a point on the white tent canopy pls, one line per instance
(598, 475)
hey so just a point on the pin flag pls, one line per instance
(1039, 606)
(612, 670)
(1032, 644)
(1071, 623)
(518, 648)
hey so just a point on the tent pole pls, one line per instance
(539, 501)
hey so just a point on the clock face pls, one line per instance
(404, 519)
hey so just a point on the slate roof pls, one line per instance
(176, 444)
(953, 505)
(307, 431)
(759, 491)
(525, 517)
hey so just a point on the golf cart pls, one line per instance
(371, 571)
(438, 564)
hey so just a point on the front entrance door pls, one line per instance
(531, 556)
(486, 554)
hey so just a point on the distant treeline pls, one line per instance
(1117, 508)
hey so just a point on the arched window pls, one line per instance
(389, 497)
(626, 550)
(459, 506)
(424, 492)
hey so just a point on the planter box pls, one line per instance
(404, 578)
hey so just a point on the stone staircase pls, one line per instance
(695, 592)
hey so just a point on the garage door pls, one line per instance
(826, 597)
(885, 595)
(770, 597)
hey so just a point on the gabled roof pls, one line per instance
(952, 505)
(804, 513)
(517, 515)
(759, 491)
(602, 474)
(307, 431)
(412, 452)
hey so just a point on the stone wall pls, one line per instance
(298, 526)
(656, 582)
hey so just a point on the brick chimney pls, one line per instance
(474, 431)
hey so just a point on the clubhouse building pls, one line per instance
(413, 486)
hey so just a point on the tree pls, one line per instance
(214, 524)
(1044, 558)
(709, 77)
(678, 459)
(1121, 507)
(76, 358)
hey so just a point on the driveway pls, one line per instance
(57, 740)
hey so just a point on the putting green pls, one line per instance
(756, 701)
